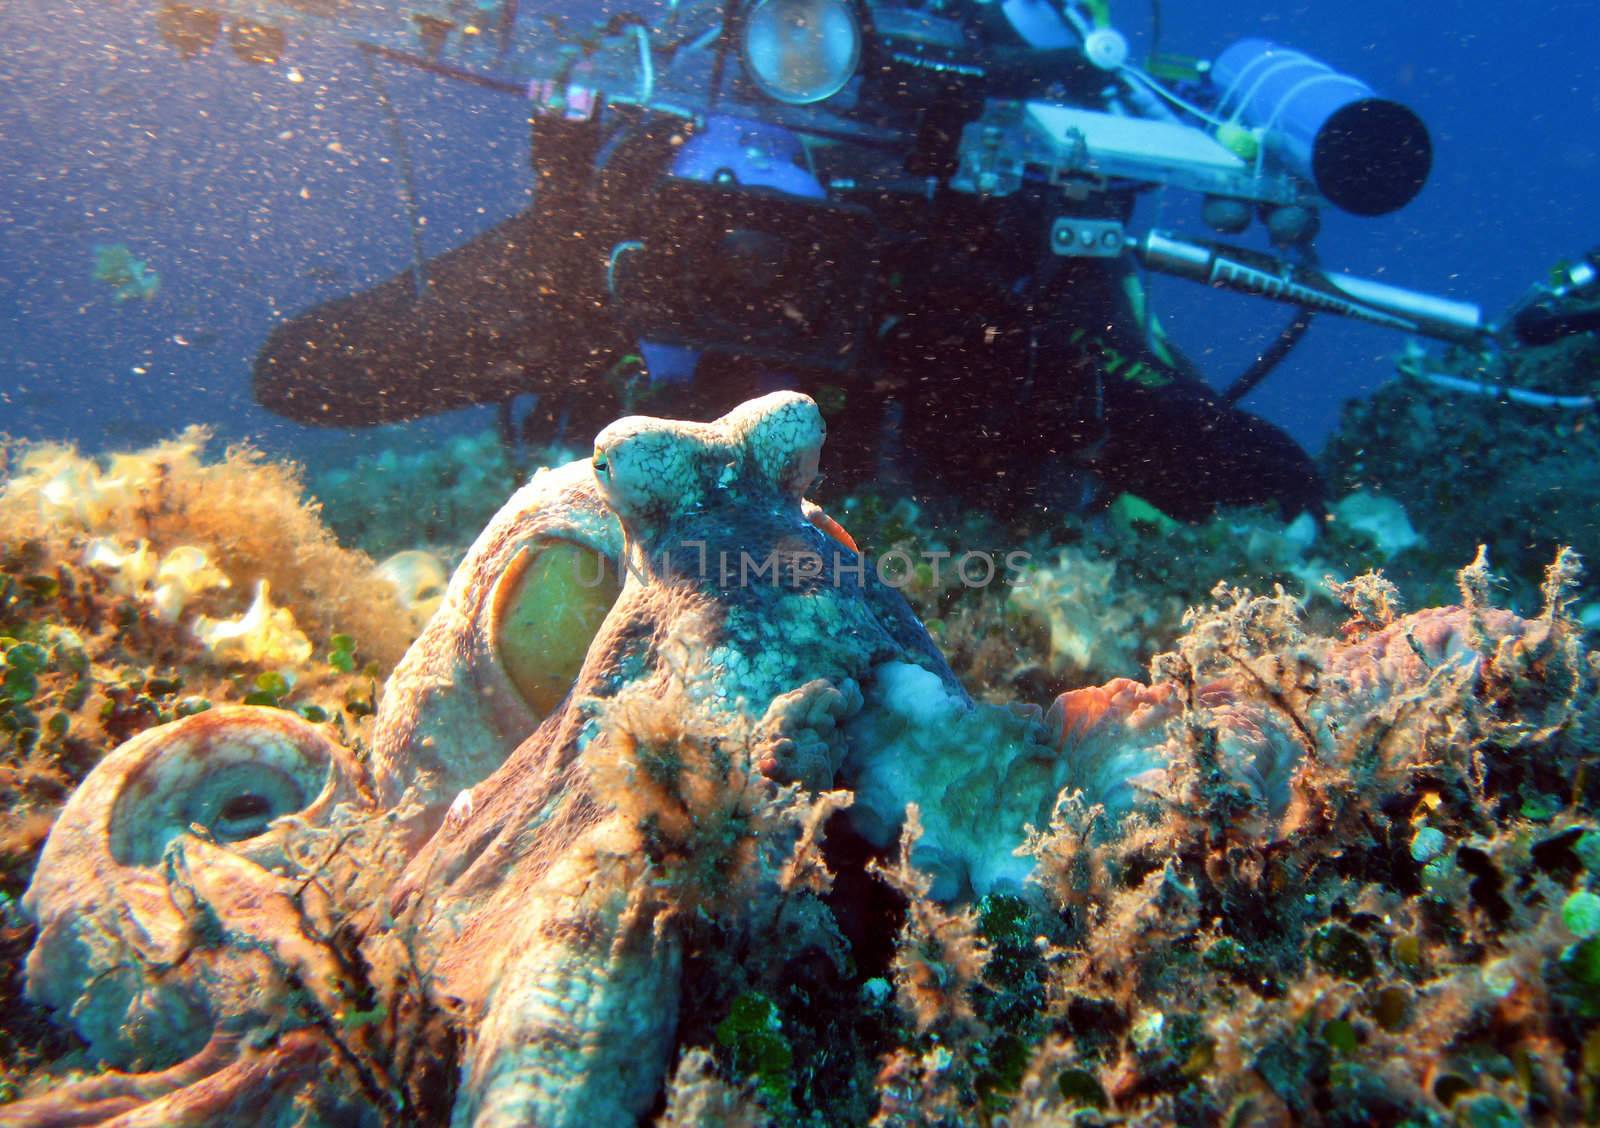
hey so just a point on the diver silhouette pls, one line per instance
(920, 218)
(976, 367)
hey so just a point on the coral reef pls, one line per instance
(264, 635)
(1481, 469)
(107, 569)
(419, 579)
(675, 805)
(1097, 596)
(1366, 923)
(245, 513)
(439, 496)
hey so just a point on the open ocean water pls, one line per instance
(256, 191)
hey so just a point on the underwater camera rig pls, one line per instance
(734, 165)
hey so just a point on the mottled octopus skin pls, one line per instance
(102, 893)
(449, 713)
(549, 940)
(575, 1008)
(566, 978)
(1118, 739)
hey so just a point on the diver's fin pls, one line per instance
(484, 332)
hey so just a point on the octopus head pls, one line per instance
(651, 470)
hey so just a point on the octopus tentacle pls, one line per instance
(577, 1027)
(224, 1081)
(178, 837)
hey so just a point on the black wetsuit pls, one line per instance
(1013, 383)
(985, 371)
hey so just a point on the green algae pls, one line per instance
(754, 1038)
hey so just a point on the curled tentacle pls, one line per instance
(225, 1081)
(169, 888)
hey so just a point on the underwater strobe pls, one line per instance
(800, 51)
(1366, 154)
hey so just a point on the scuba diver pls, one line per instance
(1566, 306)
(916, 214)
(991, 371)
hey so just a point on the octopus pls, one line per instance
(482, 918)
(656, 677)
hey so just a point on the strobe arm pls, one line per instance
(1253, 272)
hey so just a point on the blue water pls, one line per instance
(255, 195)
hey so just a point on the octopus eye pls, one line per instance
(233, 770)
(239, 800)
(602, 465)
(244, 807)
(547, 609)
(243, 816)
